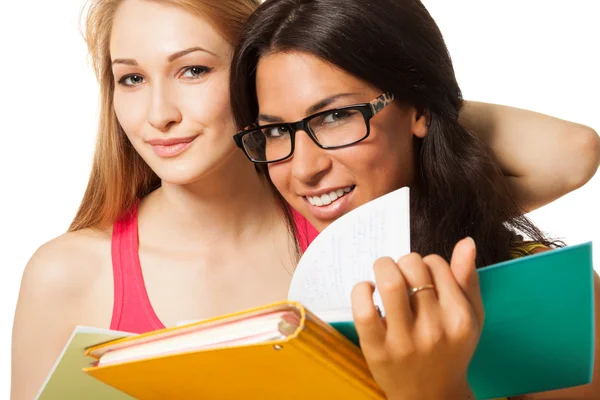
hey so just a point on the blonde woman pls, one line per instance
(172, 196)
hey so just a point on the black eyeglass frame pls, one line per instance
(368, 111)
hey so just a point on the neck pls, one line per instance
(231, 202)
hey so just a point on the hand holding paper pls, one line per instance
(344, 253)
(430, 333)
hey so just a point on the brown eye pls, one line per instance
(194, 72)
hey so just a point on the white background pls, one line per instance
(534, 54)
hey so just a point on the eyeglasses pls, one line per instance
(331, 129)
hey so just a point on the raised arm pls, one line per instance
(543, 157)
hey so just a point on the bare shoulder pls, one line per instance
(64, 265)
(72, 275)
(67, 282)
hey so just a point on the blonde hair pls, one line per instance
(119, 176)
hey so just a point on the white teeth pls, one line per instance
(328, 198)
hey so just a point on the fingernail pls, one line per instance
(472, 249)
(470, 240)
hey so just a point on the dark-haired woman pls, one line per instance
(344, 103)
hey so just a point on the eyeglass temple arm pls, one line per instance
(380, 102)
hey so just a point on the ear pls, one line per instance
(252, 125)
(420, 121)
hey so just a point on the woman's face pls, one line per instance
(171, 72)
(325, 184)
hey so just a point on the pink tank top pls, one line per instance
(132, 311)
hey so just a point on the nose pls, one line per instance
(309, 162)
(163, 112)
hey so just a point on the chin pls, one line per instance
(191, 166)
(178, 179)
(320, 225)
(181, 173)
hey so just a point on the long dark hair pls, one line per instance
(395, 45)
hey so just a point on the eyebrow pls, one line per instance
(171, 58)
(318, 106)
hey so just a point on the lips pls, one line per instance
(327, 198)
(170, 147)
(328, 206)
(171, 141)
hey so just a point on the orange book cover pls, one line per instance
(311, 360)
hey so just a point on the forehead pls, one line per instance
(303, 72)
(143, 28)
(291, 81)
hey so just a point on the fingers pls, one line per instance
(416, 273)
(369, 326)
(462, 262)
(463, 268)
(393, 290)
(448, 290)
(456, 288)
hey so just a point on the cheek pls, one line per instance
(387, 163)
(397, 164)
(395, 169)
(280, 176)
(129, 109)
(209, 104)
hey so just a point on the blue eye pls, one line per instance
(131, 80)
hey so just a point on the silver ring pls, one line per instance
(419, 288)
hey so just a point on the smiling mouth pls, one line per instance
(328, 198)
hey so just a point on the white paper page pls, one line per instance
(343, 253)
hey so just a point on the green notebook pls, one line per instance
(67, 381)
(538, 333)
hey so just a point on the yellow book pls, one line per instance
(279, 351)
(284, 351)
